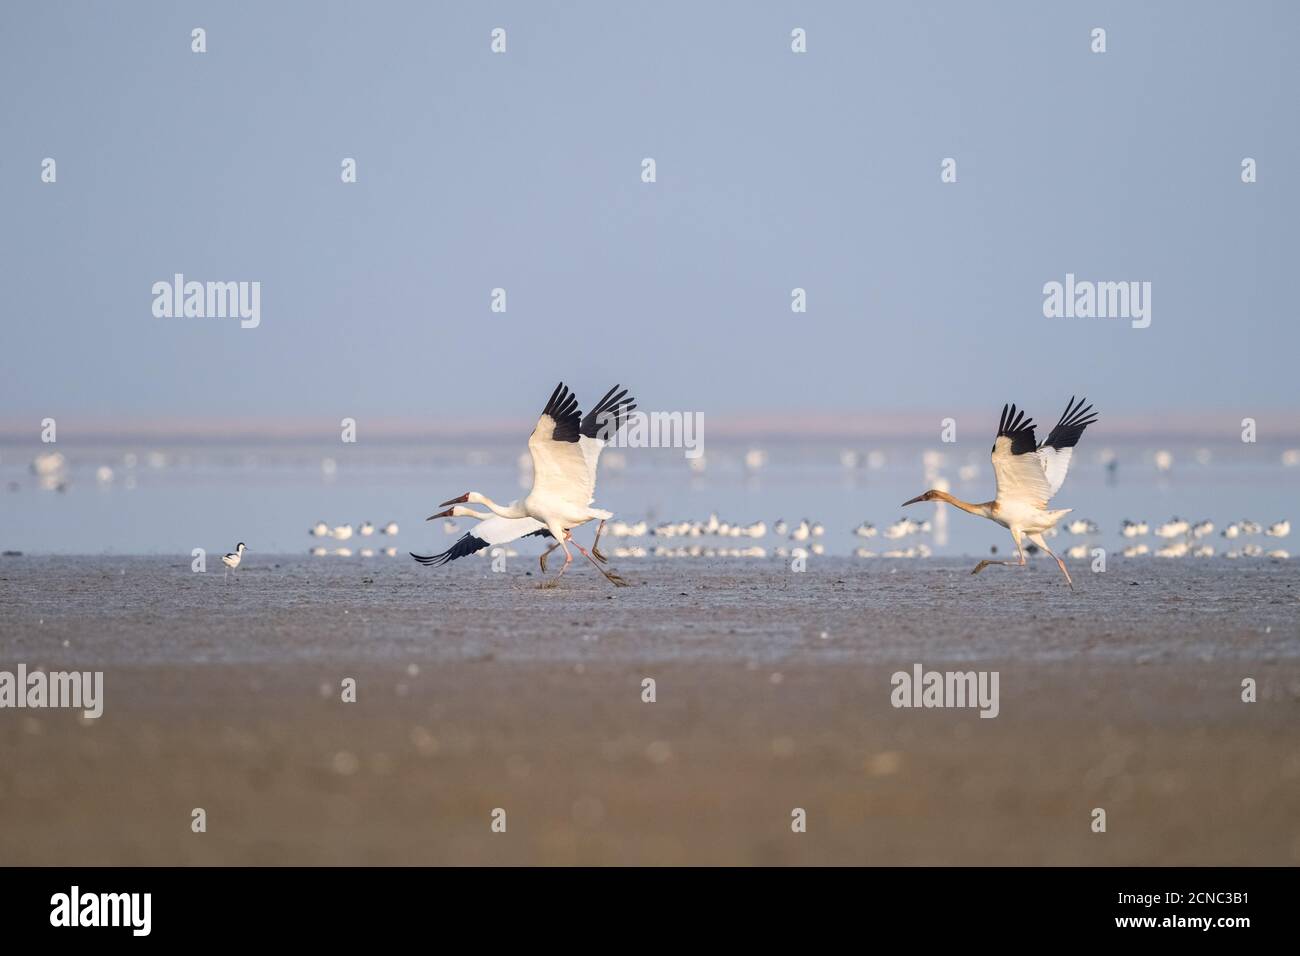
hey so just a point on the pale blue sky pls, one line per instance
(775, 170)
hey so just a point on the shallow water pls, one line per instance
(171, 499)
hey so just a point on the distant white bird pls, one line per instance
(802, 531)
(318, 552)
(1136, 550)
(1279, 554)
(1279, 529)
(817, 529)
(780, 528)
(1134, 529)
(319, 530)
(865, 530)
(390, 528)
(367, 529)
(1203, 551)
(1173, 528)
(1202, 529)
(565, 450)
(1028, 475)
(1081, 526)
(1175, 549)
(1251, 527)
(342, 532)
(1231, 531)
(902, 528)
(231, 560)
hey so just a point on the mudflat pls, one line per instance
(773, 692)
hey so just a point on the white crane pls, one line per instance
(1028, 475)
(565, 450)
(491, 530)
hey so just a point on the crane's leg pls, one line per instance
(1011, 564)
(546, 554)
(612, 576)
(1038, 540)
(595, 545)
(568, 557)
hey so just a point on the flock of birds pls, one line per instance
(344, 532)
(1184, 538)
(565, 449)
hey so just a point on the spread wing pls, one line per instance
(560, 470)
(1016, 464)
(488, 532)
(601, 424)
(1059, 447)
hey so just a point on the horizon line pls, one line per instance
(1220, 424)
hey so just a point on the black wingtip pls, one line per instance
(1017, 426)
(606, 418)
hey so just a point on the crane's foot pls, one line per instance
(611, 576)
(615, 579)
(545, 556)
(981, 566)
(598, 555)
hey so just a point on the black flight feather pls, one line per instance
(1070, 428)
(606, 418)
(563, 408)
(466, 545)
(1019, 429)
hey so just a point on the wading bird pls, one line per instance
(1028, 475)
(231, 560)
(565, 449)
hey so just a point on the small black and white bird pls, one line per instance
(231, 560)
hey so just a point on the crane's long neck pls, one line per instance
(515, 510)
(984, 510)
